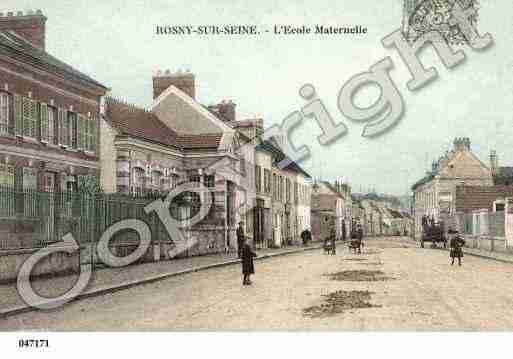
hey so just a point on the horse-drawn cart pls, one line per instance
(355, 245)
(434, 233)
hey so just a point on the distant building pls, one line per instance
(347, 206)
(434, 194)
(327, 210)
(283, 197)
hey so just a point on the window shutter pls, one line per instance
(85, 132)
(93, 134)
(63, 127)
(45, 135)
(80, 132)
(34, 119)
(29, 113)
(3, 173)
(18, 115)
(29, 117)
(80, 183)
(9, 179)
(26, 116)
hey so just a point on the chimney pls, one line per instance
(29, 25)
(462, 144)
(225, 110)
(185, 81)
(259, 126)
(434, 167)
(494, 162)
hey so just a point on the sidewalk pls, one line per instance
(498, 256)
(112, 279)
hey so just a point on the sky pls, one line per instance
(115, 42)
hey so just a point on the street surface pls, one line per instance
(413, 289)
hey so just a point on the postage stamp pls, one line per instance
(423, 16)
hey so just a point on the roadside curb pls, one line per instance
(482, 255)
(129, 284)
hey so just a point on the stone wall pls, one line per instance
(55, 263)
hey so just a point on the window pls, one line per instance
(29, 178)
(210, 181)
(29, 110)
(81, 129)
(91, 135)
(155, 179)
(48, 126)
(274, 185)
(243, 166)
(267, 181)
(287, 190)
(173, 181)
(4, 113)
(138, 180)
(258, 178)
(52, 125)
(49, 182)
(195, 179)
(72, 129)
(63, 127)
(6, 175)
(7, 204)
(71, 184)
(281, 196)
(499, 207)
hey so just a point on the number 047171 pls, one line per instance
(33, 343)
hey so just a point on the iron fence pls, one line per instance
(484, 223)
(496, 224)
(34, 219)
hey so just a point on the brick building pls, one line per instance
(49, 124)
(490, 198)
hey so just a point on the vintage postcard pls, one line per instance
(171, 166)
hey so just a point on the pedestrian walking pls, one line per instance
(248, 267)
(330, 241)
(456, 245)
(240, 239)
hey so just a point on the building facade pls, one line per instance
(178, 141)
(288, 192)
(49, 131)
(327, 210)
(434, 194)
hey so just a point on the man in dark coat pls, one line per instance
(248, 267)
(333, 236)
(306, 236)
(240, 238)
(344, 234)
(456, 244)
